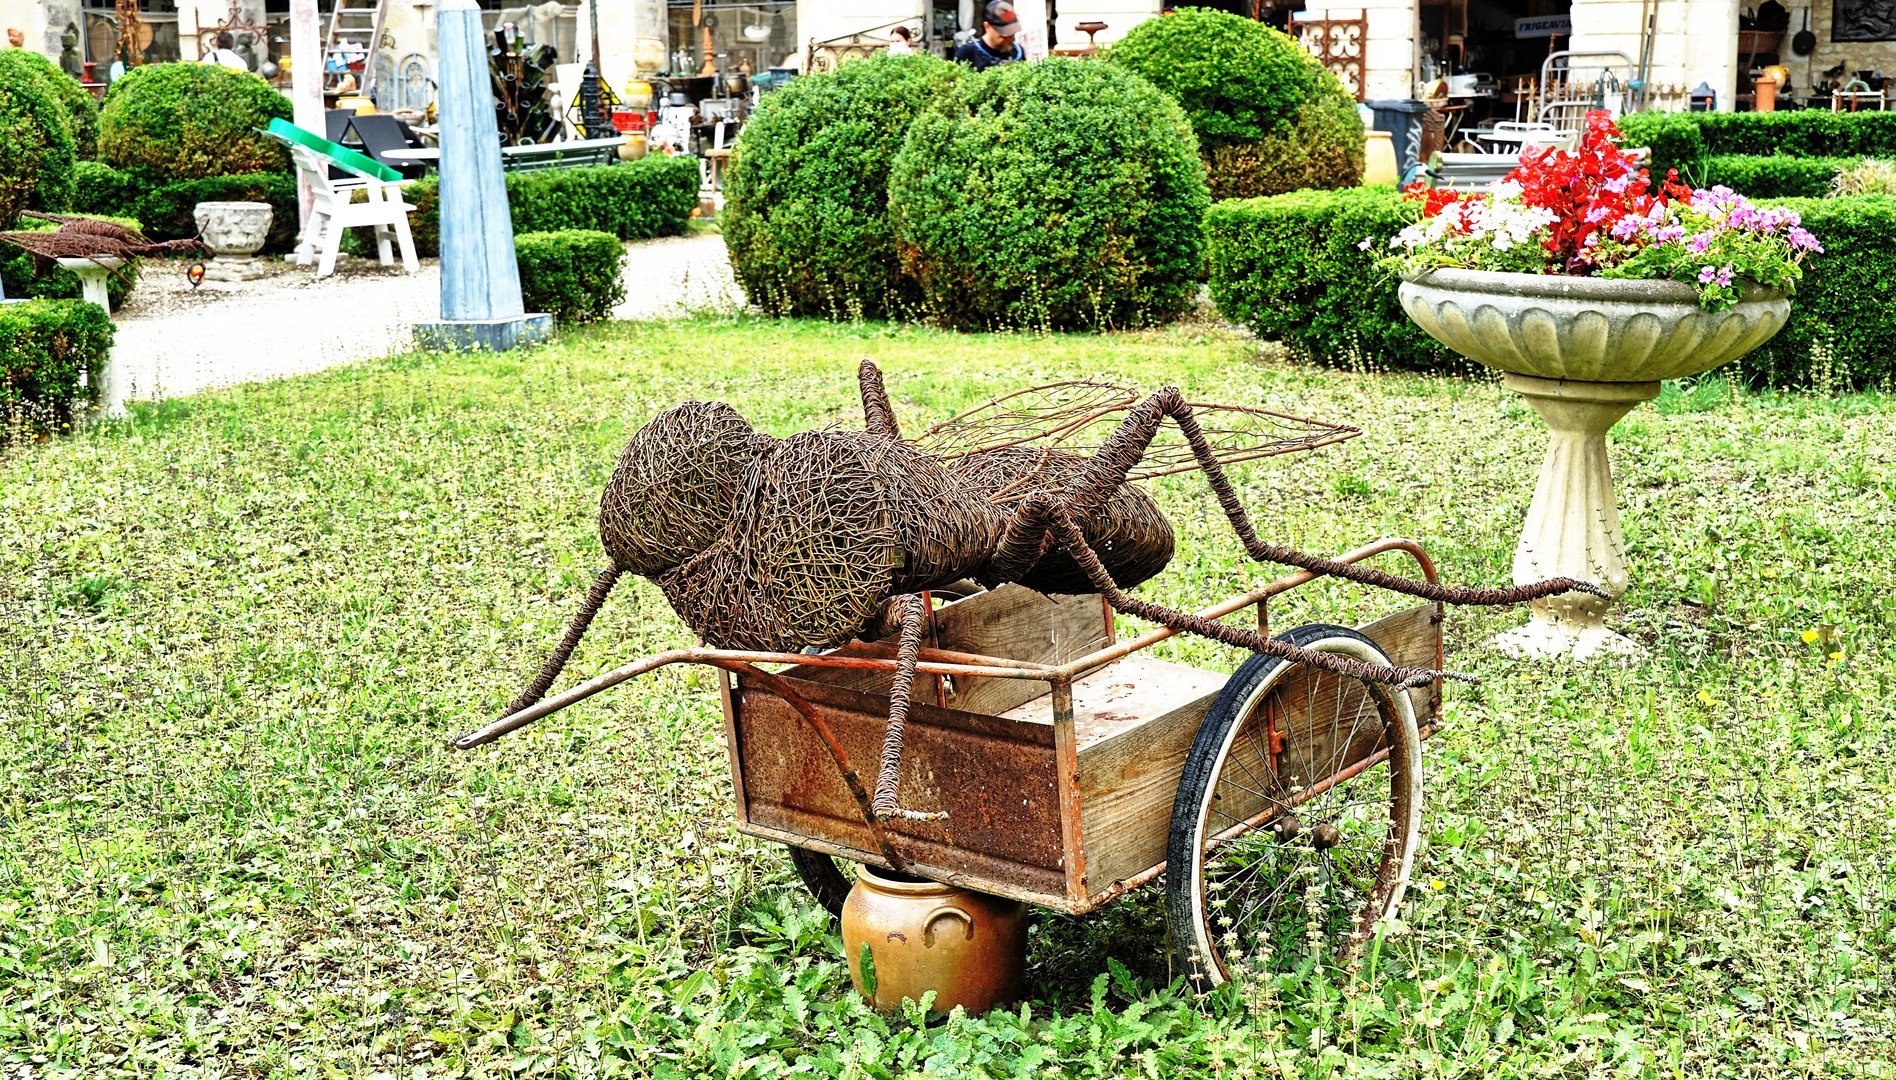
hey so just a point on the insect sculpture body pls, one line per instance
(783, 544)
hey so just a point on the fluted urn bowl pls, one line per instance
(1583, 352)
(1550, 326)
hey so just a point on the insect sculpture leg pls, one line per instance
(556, 662)
(912, 613)
(1115, 460)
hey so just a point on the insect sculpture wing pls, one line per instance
(1079, 416)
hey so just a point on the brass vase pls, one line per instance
(968, 947)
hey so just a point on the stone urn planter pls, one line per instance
(234, 231)
(1582, 351)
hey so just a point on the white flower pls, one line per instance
(1368, 242)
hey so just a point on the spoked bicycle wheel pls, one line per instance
(823, 875)
(1297, 817)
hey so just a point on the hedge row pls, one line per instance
(168, 211)
(48, 348)
(636, 200)
(575, 275)
(23, 279)
(1768, 177)
(1678, 140)
(1289, 267)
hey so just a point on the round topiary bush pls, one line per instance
(36, 150)
(170, 122)
(1269, 117)
(806, 198)
(82, 112)
(1062, 193)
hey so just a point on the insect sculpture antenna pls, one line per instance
(824, 537)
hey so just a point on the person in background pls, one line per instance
(900, 42)
(995, 43)
(225, 54)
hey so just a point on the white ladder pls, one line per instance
(355, 23)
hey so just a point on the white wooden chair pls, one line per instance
(337, 209)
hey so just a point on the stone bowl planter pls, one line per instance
(1583, 352)
(234, 231)
(1592, 329)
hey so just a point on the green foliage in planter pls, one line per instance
(636, 200)
(169, 212)
(806, 199)
(82, 111)
(22, 278)
(1291, 269)
(1062, 193)
(46, 347)
(1842, 330)
(1269, 117)
(172, 122)
(576, 275)
(1768, 177)
(36, 145)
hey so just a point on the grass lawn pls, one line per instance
(235, 632)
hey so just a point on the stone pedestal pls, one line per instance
(1572, 528)
(92, 277)
(235, 232)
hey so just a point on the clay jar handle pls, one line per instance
(946, 911)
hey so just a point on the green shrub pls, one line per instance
(1767, 177)
(82, 112)
(1269, 117)
(171, 122)
(1062, 193)
(1291, 269)
(576, 275)
(36, 147)
(22, 278)
(637, 200)
(806, 199)
(98, 188)
(1842, 330)
(1674, 138)
(169, 212)
(1680, 139)
(48, 349)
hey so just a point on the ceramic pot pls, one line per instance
(1583, 352)
(968, 947)
(1379, 160)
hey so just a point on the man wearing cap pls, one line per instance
(995, 43)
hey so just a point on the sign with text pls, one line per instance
(1541, 26)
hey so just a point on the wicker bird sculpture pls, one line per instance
(810, 541)
(91, 238)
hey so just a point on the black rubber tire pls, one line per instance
(822, 877)
(1199, 943)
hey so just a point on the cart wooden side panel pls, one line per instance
(1129, 770)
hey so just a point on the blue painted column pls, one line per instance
(480, 282)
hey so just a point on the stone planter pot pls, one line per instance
(1583, 352)
(234, 231)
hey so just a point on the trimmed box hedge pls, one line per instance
(1678, 140)
(1768, 177)
(169, 210)
(1290, 268)
(575, 275)
(52, 355)
(636, 200)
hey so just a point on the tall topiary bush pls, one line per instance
(171, 122)
(1269, 117)
(806, 199)
(36, 147)
(1062, 193)
(82, 112)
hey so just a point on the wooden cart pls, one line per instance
(1072, 767)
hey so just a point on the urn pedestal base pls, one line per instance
(1572, 528)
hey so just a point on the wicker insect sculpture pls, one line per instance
(90, 238)
(783, 544)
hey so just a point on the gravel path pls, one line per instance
(174, 340)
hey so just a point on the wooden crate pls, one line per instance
(1055, 796)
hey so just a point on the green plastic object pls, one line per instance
(353, 160)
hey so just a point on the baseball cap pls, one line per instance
(1000, 14)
